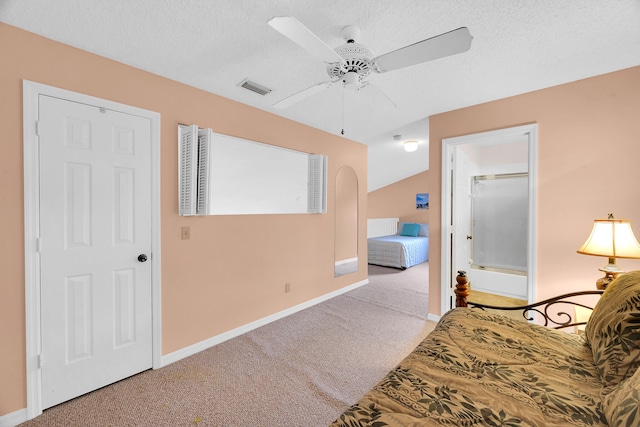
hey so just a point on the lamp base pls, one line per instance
(603, 282)
(611, 271)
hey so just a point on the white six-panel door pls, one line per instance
(95, 223)
(461, 251)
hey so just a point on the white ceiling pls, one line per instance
(518, 46)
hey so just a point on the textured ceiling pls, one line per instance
(518, 46)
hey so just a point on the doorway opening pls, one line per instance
(503, 162)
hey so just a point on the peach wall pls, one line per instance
(399, 199)
(212, 283)
(588, 151)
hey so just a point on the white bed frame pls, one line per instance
(382, 226)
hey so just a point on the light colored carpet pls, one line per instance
(402, 290)
(303, 370)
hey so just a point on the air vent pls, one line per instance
(254, 87)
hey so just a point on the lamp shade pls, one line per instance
(611, 238)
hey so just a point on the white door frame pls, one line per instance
(448, 145)
(31, 93)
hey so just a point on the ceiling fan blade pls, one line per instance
(446, 44)
(297, 97)
(378, 90)
(293, 29)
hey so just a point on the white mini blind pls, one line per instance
(317, 184)
(187, 173)
(205, 137)
(193, 170)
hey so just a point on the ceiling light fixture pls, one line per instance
(410, 145)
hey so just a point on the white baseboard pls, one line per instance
(14, 418)
(433, 317)
(346, 261)
(210, 342)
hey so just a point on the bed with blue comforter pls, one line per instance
(403, 250)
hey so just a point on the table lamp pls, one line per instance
(612, 238)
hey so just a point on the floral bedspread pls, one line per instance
(483, 369)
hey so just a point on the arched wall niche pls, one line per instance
(346, 222)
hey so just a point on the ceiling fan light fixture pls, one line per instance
(410, 145)
(351, 80)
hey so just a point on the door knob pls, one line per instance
(142, 257)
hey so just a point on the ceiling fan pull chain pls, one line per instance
(342, 131)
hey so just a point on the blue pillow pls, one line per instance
(411, 230)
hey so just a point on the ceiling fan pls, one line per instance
(351, 63)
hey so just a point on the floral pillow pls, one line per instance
(622, 405)
(613, 331)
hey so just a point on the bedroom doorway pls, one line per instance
(475, 220)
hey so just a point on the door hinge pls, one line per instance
(40, 359)
(37, 128)
(39, 244)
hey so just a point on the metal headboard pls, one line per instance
(561, 319)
